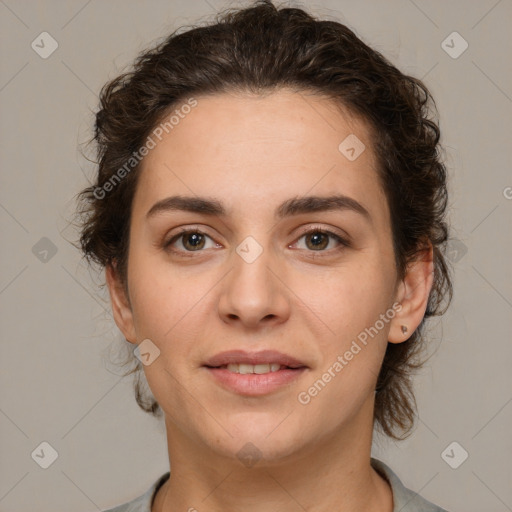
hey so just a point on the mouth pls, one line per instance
(263, 361)
(254, 374)
(259, 369)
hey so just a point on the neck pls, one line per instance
(332, 473)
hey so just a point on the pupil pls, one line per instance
(317, 239)
(194, 239)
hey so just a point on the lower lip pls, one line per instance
(254, 384)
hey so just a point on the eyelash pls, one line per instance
(343, 242)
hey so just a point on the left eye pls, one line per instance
(318, 239)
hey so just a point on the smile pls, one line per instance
(260, 369)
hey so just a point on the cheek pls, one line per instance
(347, 300)
(352, 355)
(170, 308)
(152, 309)
(157, 295)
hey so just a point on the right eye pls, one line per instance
(191, 240)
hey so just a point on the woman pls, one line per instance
(269, 210)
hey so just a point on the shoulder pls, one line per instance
(405, 500)
(142, 503)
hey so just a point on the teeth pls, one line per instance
(244, 369)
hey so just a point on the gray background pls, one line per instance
(58, 382)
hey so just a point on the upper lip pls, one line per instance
(261, 357)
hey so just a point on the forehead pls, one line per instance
(284, 122)
(245, 148)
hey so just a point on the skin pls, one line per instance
(252, 153)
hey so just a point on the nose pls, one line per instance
(253, 294)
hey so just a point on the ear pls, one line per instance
(121, 307)
(412, 294)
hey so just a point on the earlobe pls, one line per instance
(413, 294)
(121, 308)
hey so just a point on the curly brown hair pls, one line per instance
(257, 50)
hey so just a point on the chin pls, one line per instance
(259, 439)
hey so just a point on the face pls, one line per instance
(253, 271)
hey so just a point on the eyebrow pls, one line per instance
(290, 207)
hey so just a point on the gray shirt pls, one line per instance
(404, 499)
